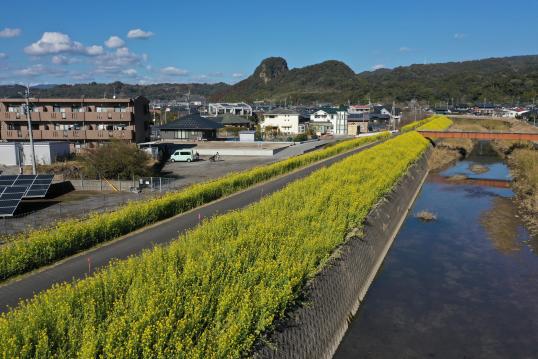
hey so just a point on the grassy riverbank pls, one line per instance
(523, 163)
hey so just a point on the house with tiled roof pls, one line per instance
(191, 127)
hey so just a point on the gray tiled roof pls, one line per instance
(193, 122)
(281, 111)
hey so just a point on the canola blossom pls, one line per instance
(212, 292)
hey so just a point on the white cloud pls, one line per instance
(405, 49)
(378, 66)
(94, 50)
(56, 42)
(460, 35)
(114, 42)
(63, 60)
(7, 32)
(38, 70)
(139, 34)
(130, 72)
(3, 55)
(237, 75)
(120, 58)
(174, 71)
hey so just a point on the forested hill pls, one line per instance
(497, 79)
(164, 91)
(501, 80)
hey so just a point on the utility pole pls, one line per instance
(27, 110)
(393, 117)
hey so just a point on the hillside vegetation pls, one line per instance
(498, 79)
(502, 80)
(164, 91)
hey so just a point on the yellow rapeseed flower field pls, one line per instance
(40, 247)
(213, 291)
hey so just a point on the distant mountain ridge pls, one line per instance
(496, 79)
(502, 80)
(164, 91)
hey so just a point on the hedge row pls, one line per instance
(40, 247)
(212, 292)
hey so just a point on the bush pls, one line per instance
(300, 138)
(117, 158)
(44, 246)
(212, 292)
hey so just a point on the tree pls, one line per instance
(114, 159)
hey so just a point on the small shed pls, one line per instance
(247, 136)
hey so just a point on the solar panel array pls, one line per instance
(14, 188)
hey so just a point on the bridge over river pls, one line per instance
(476, 135)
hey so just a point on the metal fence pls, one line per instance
(136, 184)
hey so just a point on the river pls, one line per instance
(463, 286)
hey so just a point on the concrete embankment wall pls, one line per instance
(315, 329)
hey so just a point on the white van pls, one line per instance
(184, 155)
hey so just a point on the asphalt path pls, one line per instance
(85, 263)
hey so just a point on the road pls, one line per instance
(83, 264)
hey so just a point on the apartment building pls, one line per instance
(82, 122)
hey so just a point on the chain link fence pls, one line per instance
(136, 184)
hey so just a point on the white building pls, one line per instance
(20, 153)
(358, 109)
(287, 121)
(337, 118)
(514, 112)
(238, 108)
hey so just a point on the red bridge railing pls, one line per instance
(481, 135)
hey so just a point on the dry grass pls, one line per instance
(523, 163)
(449, 151)
(501, 225)
(426, 216)
(481, 125)
(458, 177)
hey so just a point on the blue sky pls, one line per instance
(57, 41)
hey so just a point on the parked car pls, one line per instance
(185, 155)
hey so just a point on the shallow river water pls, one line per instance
(463, 286)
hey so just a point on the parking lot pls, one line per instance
(185, 173)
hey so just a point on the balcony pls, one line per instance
(70, 116)
(68, 135)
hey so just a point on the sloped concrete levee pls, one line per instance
(315, 328)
